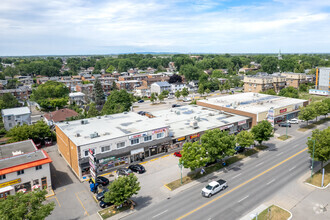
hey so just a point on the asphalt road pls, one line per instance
(249, 184)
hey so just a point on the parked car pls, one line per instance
(48, 142)
(239, 149)
(177, 154)
(100, 195)
(102, 180)
(141, 112)
(293, 121)
(137, 168)
(124, 172)
(284, 124)
(105, 204)
(140, 101)
(214, 187)
(175, 105)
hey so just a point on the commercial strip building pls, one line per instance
(23, 168)
(257, 106)
(125, 138)
(322, 82)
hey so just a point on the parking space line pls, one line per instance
(59, 204)
(61, 190)
(81, 203)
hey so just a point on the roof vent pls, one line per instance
(15, 153)
(194, 124)
(84, 121)
(94, 135)
(98, 117)
(77, 135)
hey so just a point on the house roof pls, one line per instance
(16, 111)
(60, 115)
(163, 84)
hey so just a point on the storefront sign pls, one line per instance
(93, 174)
(181, 139)
(137, 151)
(241, 122)
(194, 136)
(283, 110)
(226, 127)
(135, 136)
(92, 160)
(159, 130)
(92, 164)
(105, 160)
(271, 112)
(12, 182)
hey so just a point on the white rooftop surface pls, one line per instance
(208, 119)
(75, 94)
(16, 111)
(109, 127)
(252, 102)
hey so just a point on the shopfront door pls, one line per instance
(44, 182)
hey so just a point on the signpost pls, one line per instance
(92, 163)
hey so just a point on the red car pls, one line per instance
(177, 154)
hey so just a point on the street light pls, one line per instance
(181, 165)
(313, 158)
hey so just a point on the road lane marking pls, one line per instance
(82, 203)
(236, 176)
(243, 199)
(159, 214)
(239, 186)
(292, 168)
(59, 204)
(279, 154)
(259, 164)
(270, 182)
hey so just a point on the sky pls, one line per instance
(79, 27)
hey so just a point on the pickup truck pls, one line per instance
(214, 187)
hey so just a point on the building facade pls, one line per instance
(159, 87)
(322, 82)
(15, 116)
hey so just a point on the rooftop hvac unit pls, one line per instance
(98, 117)
(94, 135)
(211, 114)
(178, 112)
(15, 153)
(194, 124)
(84, 121)
(77, 135)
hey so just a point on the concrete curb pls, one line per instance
(318, 187)
(285, 210)
(98, 214)
(50, 195)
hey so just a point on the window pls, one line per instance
(135, 141)
(9, 117)
(20, 172)
(160, 135)
(106, 148)
(3, 177)
(148, 138)
(39, 167)
(121, 145)
(86, 153)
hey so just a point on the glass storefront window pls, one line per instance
(25, 187)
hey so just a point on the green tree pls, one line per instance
(29, 206)
(269, 64)
(208, 91)
(177, 94)
(117, 102)
(322, 145)
(190, 72)
(321, 108)
(327, 102)
(153, 97)
(161, 97)
(290, 92)
(218, 144)
(262, 131)
(245, 139)
(269, 92)
(303, 88)
(185, 92)
(193, 155)
(226, 86)
(7, 100)
(121, 189)
(98, 93)
(10, 71)
(114, 86)
(201, 89)
(51, 95)
(92, 111)
(307, 113)
(165, 93)
(110, 69)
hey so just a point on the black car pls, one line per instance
(140, 101)
(102, 180)
(100, 195)
(105, 204)
(141, 112)
(284, 124)
(175, 105)
(239, 149)
(137, 168)
(124, 172)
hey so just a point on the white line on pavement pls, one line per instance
(259, 164)
(159, 214)
(270, 182)
(242, 199)
(292, 168)
(236, 176)
(280, 154)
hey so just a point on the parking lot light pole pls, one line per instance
(180, 165)
(313, 158)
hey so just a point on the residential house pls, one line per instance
(129, 85)
(59, 116)
(77, 97)
(15, 116)
(294, 79)
(22, 93)
(159, 87)
(177, 87)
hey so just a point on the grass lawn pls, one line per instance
(111, 211)
(313, 125)
(314, 98)
(187, 179)
(316, 180)
(275, 213)
(284, 137)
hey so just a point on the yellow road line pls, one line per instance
(57, 201)
(167, 187)
(81, 203)
(61, 190)
(239, 186)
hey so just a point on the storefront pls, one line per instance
(194, 137)
(177, 143)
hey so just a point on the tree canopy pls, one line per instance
(307, 113)
(190, 72)
(290, 92)
(175, 78)
(7, 100)
(193, 155)
(262, 131)
(322, 145)
(98, 93)
(117, 102)
(29, 206)
(245, 138)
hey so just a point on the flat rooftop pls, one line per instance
(19, 153)
(109, 127)
(179, 119)
(16, 111)
(252, 102)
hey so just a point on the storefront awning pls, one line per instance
(6, 189)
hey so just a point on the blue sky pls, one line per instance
(65, 27)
